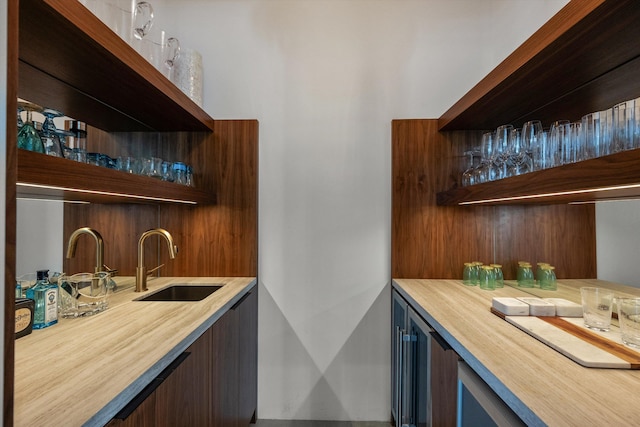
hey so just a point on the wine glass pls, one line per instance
(483, 172)
(468, 176)
(50, 135)
(28, 137)
(501, 151)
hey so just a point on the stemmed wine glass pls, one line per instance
(523, 144)
(501, 152)
(50, 135)
(468, 176)
(28, 137)
(483, 172)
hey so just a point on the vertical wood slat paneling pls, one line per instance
(430, 241)
(213, 240)
(10, 211)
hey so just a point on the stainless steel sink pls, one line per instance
(182, 292)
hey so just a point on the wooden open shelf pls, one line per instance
(589, 178)
(71, 61)
(61, 179)
(586, 58)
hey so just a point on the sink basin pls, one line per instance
(183, 292)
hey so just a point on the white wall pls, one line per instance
(618, 241)
(325, 78)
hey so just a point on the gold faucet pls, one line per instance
(73, 242)
(141, 271)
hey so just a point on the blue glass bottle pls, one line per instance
(45, 296)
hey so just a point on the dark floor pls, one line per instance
(286, 423)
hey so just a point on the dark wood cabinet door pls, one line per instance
(224, 380)
(247, 314)
(183, 397)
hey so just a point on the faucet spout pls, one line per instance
(141, 271)
(73, 242)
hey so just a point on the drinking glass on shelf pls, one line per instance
(129, 19)
(501, 152)
(28, 137)
(556, 141)
(531, 135)
(19, 120)
(591, 135)
(483, 172)
(606, 132)
(160, 50)
(573, 148)
(468, 176)
(623, 125)
(50, 134)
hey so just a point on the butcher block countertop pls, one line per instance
(540, 384)
(83, 371)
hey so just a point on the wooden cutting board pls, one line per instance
(569, 336)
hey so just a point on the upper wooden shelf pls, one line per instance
(42, 176)
(604, 178)
(71, 61)
(586, 58)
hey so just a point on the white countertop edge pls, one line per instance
(516, 405)
(105, 415)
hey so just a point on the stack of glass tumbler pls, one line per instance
(510, 151)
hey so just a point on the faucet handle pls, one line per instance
(149, 272)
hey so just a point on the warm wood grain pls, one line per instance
(431, 241)
(616, 170)
(561, 235)
(80, 51)
(221, 238)
(213, 240)
(444, 379)
(614, 348)
(72, 181)
(224, 387)
(247, 330)
(580, 61)
(11, 139)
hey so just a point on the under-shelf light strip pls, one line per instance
(554, 194)
(107, 193)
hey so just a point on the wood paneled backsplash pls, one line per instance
(430, 241)
(213, 240)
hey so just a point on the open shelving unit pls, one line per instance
(586, 58)
(70, 60)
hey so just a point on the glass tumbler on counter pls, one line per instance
(596, 307)
(629, 319)
(525, 275)
(547, 278)
(84, 294)
(469, 274)
(487, 278)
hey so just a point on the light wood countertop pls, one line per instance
(541, 385)
(83, 371)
